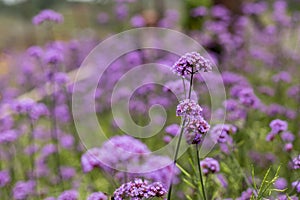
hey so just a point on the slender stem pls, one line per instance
(200, 172)
(175, 156)
(180, 137)
(191, 85)
(184, 88)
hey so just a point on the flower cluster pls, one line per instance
(188, 108)
(296, 185)
(191, 63)
(23, 189)
(4, 178)
(196, 126)
(296, 162)
(196, 129)
(69, 195)
(97, 196)
(277, 126)
(210, 166)
(139, 189)
(221, 132)
(47, 15)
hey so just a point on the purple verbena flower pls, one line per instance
(195, 130)
(191, 63)
(296, 185)
(246, 195)
(172, 129)
(69, 195)
(90, 160)
(23, 189)
(47, 15)
(137, 21)
(4, 178)
(8, 136)
(221, 132)
(188, 108)
(280, 183)
(210, 166)
(97, 196)
(278, 126)
(139, 189)
(296, 162)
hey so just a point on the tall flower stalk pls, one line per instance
(193, 124)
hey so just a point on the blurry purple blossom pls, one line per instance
(97, 196)
(35, 51)
(53, 56)
(282, 76)
(90, 160)
(137, 21)
(69, 195)
(254, 8)
(67, 172)
(222, 132)
(280, 183)
(199, 11)
(38, 110)
(287, 136)
(296, 162)
(47, 15)
(102, 18)
(220, 11)
(23, 189)
(4, 178)
(288, 147)
(172, 129)
(246, 195)
(121, 11)
(278, 126)
(67, 141)
(8, 136)
(296, 184)
(210, 166)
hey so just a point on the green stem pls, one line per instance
(176, 155)
(180, 136)
(200, 173)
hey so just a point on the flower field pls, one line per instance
(129, 99)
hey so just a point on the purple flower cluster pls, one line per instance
(97, 196)
(246, 195)
(4, 178)
(195, 130)
(210, 166)
(172, 130)
(188, 108)
(69, 195)
(191, 63)
(23, 189)
(47, 15)
(139, 189)
(196, 126)
(296, 162)
(221, 132)
(277, 126)
(296, 185)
